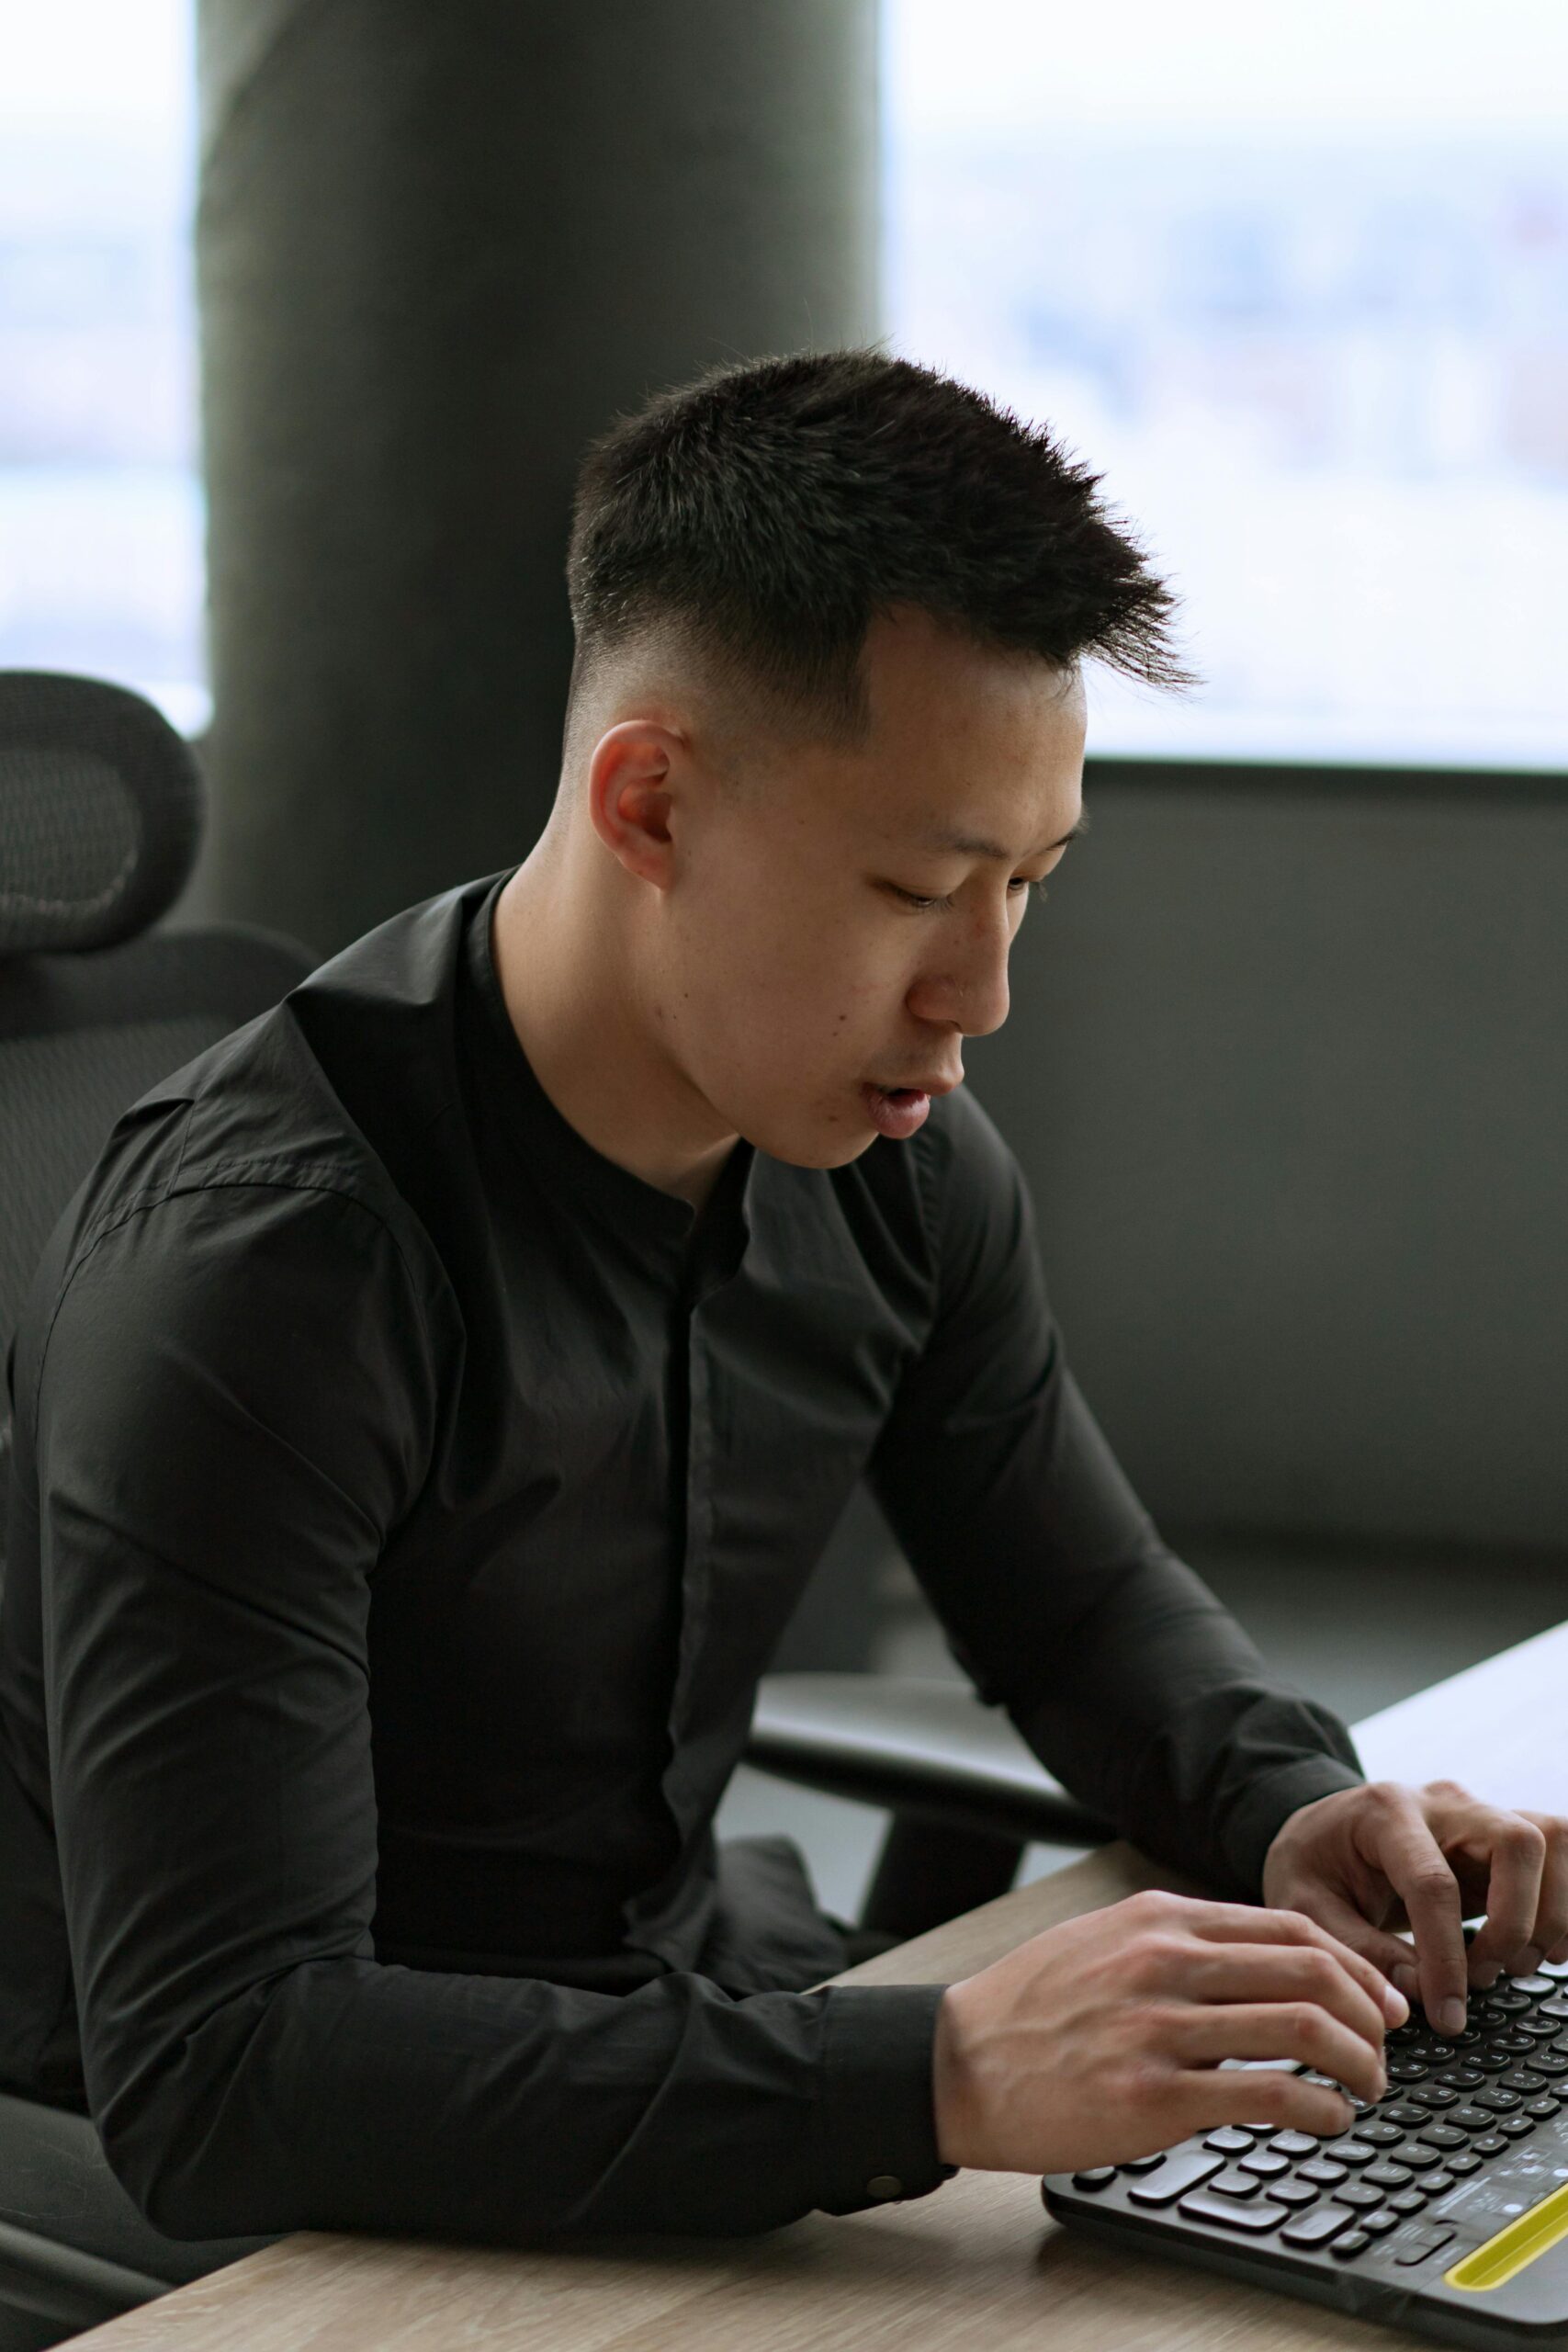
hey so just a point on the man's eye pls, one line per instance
(1022, 882)
(913, 899)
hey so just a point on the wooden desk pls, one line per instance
(979, 2259)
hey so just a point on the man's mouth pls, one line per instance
(897, 1110)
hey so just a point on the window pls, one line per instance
(100, 502)
(1295, 281)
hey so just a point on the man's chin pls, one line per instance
(798, 1148)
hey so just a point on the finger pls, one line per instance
(1249, 1923)
(1409, 1857)
(1552, 1910)
(1255, 1973)
(1386, 1952)
(1517, 1851)
(1297, 2029)
(1272, 2095)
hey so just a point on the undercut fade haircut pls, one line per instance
(769, 511)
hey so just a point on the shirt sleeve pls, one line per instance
(235, 1404)
(1125, 1675)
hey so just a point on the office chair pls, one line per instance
(101, 807)
(100, 813)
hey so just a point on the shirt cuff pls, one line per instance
(877, 2122)
(1269, 1802)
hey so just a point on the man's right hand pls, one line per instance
(1100, 2039)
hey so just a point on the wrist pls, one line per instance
(951, 2095)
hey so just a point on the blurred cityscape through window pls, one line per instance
(1294, 281)
(100, 497)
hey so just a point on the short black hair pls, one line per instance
(774, 508)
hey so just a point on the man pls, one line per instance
(430, 1407)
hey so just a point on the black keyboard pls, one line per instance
(1443, 2208)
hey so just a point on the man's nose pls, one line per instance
(967, 984)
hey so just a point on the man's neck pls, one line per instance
(574, 1008)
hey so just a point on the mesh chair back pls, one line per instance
(100, 814)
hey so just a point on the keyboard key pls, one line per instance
(1509, 2004)
(1408, 2200)
(1353, 2152)
(1551, 2063)
(1517, 2127)
(1442, 2135)
(1300, 2143)
(1174, 2179)
(1406, 2115)
(1542, 2109)
(1379, 2134)
(1293, 2193)
(1522, 2078)
(1470, 2119)
(1462, 2165)
(1358, 2196)
(1230, 2140)
(1323, 2172)
(1266, 2163)
(1490, 2144)
(1417, 2157)
(1232, 2215)
(1434, 2095)
(1388, 2176)
(1095, 2176)
(1143, 2163)
(1233, 2182)
(1405, 2069)
(1353, 2242)
(1424, 2243)
(1437, 2184)
(1461, 2078)
(1378, 2223)
(1497, 2102)
(1315, 2227)
(1534, 1985)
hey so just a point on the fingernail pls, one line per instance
(1449, 2018)
(1396, 2008)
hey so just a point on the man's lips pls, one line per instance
(897, 1112)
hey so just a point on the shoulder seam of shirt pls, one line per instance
(224, 1175)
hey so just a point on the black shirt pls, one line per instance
(406, 1501)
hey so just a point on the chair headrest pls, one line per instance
(101, 808)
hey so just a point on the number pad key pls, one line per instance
(1323, 2172)
(1258, 2219)
(1175, 2177)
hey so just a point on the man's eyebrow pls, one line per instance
(975, 846)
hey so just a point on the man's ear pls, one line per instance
(631, 789)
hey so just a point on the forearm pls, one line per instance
(345, 2095)
(1164, 1717)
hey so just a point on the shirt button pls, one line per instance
(883, 2185)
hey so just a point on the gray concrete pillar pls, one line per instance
(438, 248)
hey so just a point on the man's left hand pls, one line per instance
(1367, 1859)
